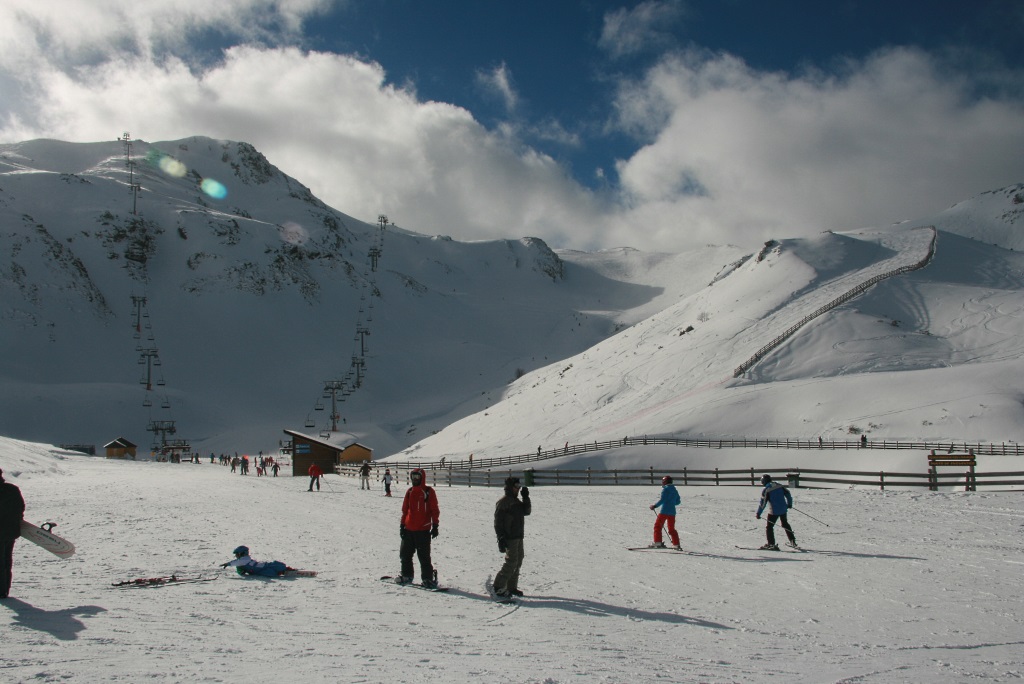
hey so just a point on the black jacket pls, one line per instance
(509, 517)
(12, 509)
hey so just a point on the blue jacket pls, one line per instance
(247, 566)
(669, 500)
(777, 498)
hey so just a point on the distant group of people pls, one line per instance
(264, 464)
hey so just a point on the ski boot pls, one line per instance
(657, 545)
(770, 547)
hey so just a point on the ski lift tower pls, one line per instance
(331, 389)
(146, 356)
(161, 428)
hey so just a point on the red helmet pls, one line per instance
(666, 480)
(417, 474)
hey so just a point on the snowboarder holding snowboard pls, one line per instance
(245, 565)
(778, 500)
(668, 502)
(509, 525)
(12, 510)
(418, 525)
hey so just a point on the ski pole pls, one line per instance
(792, 508)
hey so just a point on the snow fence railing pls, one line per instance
(842, 299)
(747, 477)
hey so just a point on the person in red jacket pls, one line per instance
(417, 527)
(314, 476)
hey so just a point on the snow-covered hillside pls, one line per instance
(258, 296)
(257, 293)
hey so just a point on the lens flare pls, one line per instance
(172, 167)
(213, 188)
(293, 233)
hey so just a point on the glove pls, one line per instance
(401, 530)
(652, 506)
(434, 532)
(502, 546)
(758, 516)
(525, 492)
(224, 565)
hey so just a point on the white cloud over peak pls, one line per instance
(734, 152)
(724, 153)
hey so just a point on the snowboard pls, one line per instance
(42, 536)
(391, 579)
(299, 573)
(161, 581)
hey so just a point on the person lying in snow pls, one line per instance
(247, 566)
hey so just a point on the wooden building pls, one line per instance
(120, 448)
(326, 452)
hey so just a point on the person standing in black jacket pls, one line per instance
(509, 524)
(12, 510)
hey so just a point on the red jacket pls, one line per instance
(419, 508)
(314, 471)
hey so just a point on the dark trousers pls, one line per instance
(6, 563)
(416, 543)
(507, 578)
(770, 528)
(315, 480)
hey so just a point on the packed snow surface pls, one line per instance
(899, 586)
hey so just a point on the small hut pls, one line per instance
(120, 448)
(327, 450)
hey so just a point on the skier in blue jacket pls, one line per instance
(668, 502)
(778, 500)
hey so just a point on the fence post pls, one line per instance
(588, 475)
(716, 477)
(685, 480)
(881, 479)
(752, 482)
(652, 474)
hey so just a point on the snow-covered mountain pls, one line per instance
(256, 293)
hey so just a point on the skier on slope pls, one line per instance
(419, 524)
(387, 481)
(245, 565)
(668, 502)
(778, 501)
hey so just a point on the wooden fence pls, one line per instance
(842, 299)
(979, 448)
(795, 477)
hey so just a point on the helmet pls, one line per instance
(241, 551)
(666, 480)
(417, 474)
(766, 478)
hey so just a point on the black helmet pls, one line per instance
(241, 551)
(766, 478)
(666, 480)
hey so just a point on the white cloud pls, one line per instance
(645, 27)
(733, 154)
(498, 82)
(725, 153)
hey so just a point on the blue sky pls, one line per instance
(660, 125)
